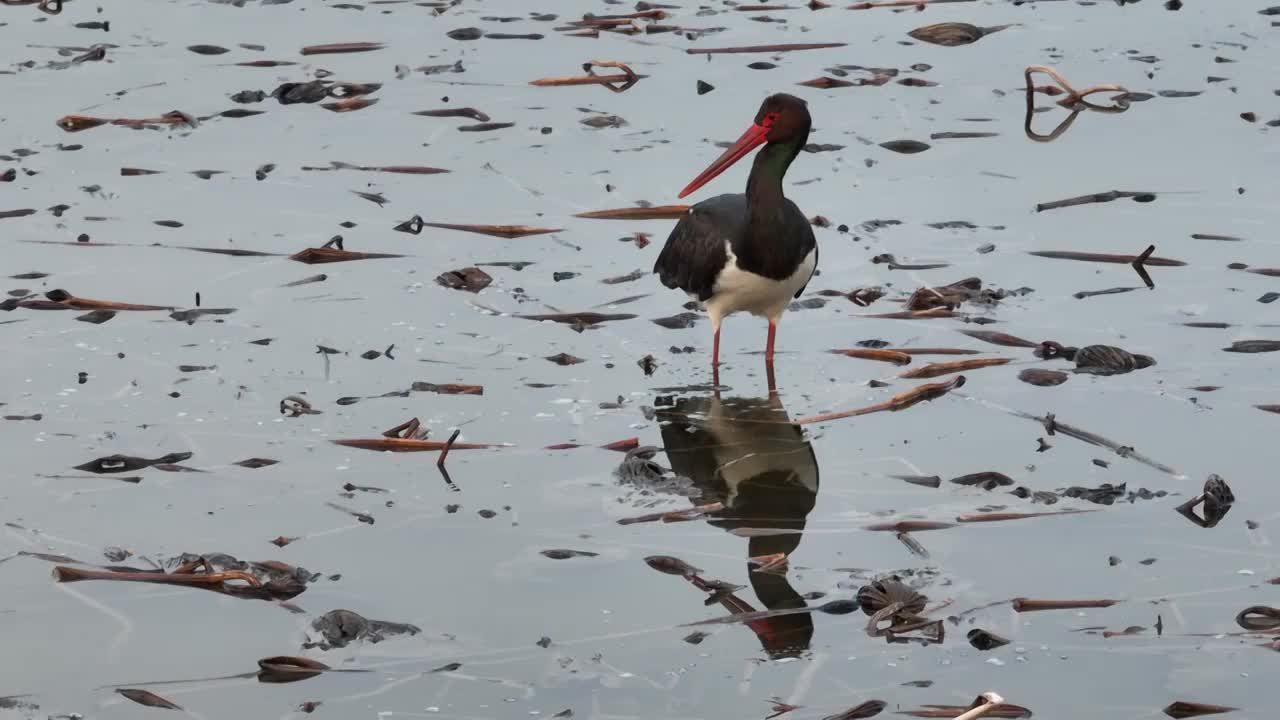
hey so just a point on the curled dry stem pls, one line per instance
(1074, 97)
(1074, 101)
(616, 83)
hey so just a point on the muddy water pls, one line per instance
(477, 586)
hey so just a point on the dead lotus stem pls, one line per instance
(1021, 604)
(62, 573)
(901, 401)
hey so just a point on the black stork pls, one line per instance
(751, 252)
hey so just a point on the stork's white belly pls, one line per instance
(737, 290)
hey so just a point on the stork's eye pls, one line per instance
(769, 119)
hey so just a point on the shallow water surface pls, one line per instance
(459, 554)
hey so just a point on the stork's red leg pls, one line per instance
(715, 349)
(768, 348)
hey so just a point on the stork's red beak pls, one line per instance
(754, 137)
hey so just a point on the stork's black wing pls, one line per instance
(695, 251)
(799, 225)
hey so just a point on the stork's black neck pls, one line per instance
(764, 185)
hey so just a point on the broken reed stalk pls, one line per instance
(62, 573)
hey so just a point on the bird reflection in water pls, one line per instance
(744, 453)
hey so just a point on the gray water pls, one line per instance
(477, 587)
